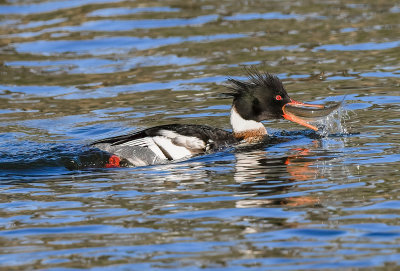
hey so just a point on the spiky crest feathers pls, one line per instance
(256, 80)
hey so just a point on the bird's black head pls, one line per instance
(259, 98)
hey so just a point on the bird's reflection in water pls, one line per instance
(273, 179)
(277, 172)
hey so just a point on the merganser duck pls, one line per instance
(261, 97)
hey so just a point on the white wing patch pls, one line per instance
(149, 143)
(170, 149)
(170, 145)
(189, 142)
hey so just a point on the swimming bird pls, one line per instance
(261, 97)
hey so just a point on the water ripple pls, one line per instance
(75, 71)
(47, 6)
(368, 46)
(111, 45)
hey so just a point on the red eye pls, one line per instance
(278, 97)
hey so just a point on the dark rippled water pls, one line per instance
(75, 71)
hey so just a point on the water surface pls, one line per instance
(76, 71)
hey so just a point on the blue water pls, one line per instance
(76, 71)
(111, 45)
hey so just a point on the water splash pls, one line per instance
(334, 123)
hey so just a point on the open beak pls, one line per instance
(303, 113)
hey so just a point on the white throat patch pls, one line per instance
(239, 124)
